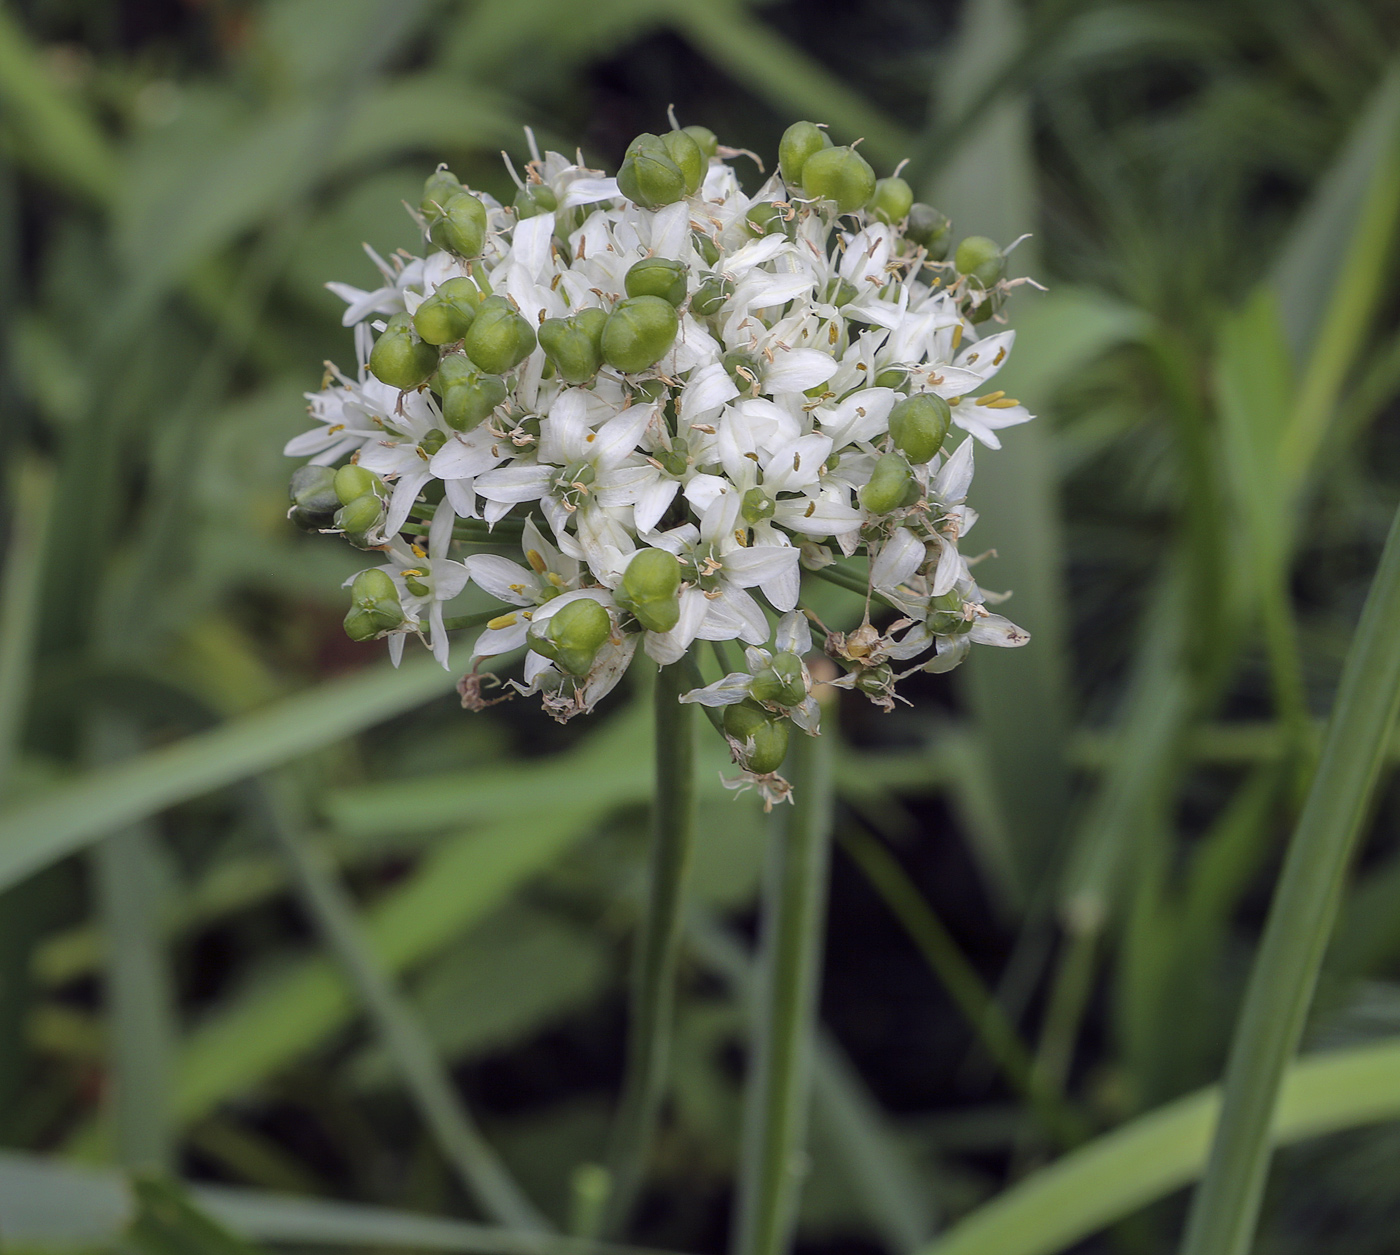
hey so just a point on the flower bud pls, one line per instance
(889, 484)
(711, 295)
(781, 683)
(449, 312)
(439, 188)
(981, 260)
(919, 425)
(759, 739)
(892, 200)
(757, 506)
(356, 517)
(648, 175)
(639, 333)
(466, 404)
(657, 276)
(461, 228)
(705, 246)
(689, 157)
(400, 358)
(499, 338)
(838, 174)
(651, 589)
(574, 344)
(313, 498)
(705, 138)
(533, 199)
(573, 635)
(799, 142)
(930, 230)
(768, 218)
(353, 481)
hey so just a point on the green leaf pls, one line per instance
(1116, 1174)
(66, 820)
(168, 1223)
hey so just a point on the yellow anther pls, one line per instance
(418, 550)
(555, 579)
(517, 588)
(989, 399)
(413, 570)
(332, 430)
(999, 358)
(1005, 403)
(957, 336)
(537, 563)
(742, 537)
(503, 621)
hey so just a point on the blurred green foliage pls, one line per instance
(1189, 529)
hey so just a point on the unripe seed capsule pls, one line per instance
(373, 587)
(361, 625)
(465, 405)
(455, 368)
(312, 490)
(711, 295)
(358, 516)
(757, 506)
(400, 358)
(767, 218)
(690, 159)
(705, 246)
(761, 739)
(781, 682)
(573, 344)
(499, 339)
(573, 635)
(888, 485)
(648, 175)
(892, 377)
(535, 198)
(981, 260)
(705, 138)
(439, 188)
(893, 199)
(742, 369)
(799, 142)
(462, 227)
(841, 292)
(353, 481)
(841, 175)
(919, 425)
(639, 333)
(652, 574)
(930, 230)
(657, 276)
(448, 313)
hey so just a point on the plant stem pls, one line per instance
(482, 1173)
(790, 947)
(658, 945)
(19, 605)
(1225, 1210)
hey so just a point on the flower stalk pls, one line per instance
(658, 945)
(789, 963)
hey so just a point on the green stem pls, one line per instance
(1225, 1209)
(429, 1085)
(19, 605)
(1069, 996)
(982, 1011)
(790, 946)
(852, 583)
(480, 619)
(658, 945)
(471, 530)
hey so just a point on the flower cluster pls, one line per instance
(678, 397)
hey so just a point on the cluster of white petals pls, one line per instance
(743, 450)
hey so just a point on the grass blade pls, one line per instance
(19, 605)
(1304, 909)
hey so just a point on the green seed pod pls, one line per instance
(705, 138)
(930, 230)
(841, 292)
(573, 344)
(499, 339)
(651, 589)
(711, 295)
(312, 490)
(768, 218)
(689, 157)
(947, 617)
(353, 481)
(433, 441)
(981, 260)
(757, 506)
(838, 174)
(573, 635)
(893, 199)
(705, 246)
(461, 228)
(985, 310)
(919, 425)
(676, 459)
(648, 175)
(358, 516)
(799, 142)
(533, 199)
(762, 739)
(658, 276)
(455, 368)
(639, 333)
(373, 588)
(449, 312)
(466, 404)
(875, 681)
(400, 358)
(893, 377)
(439, 188)
(888, 485)
(781, 682)
(742, 368)
(361, 625)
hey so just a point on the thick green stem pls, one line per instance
(790, 948)
(658, 945)
(1225, 1210)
